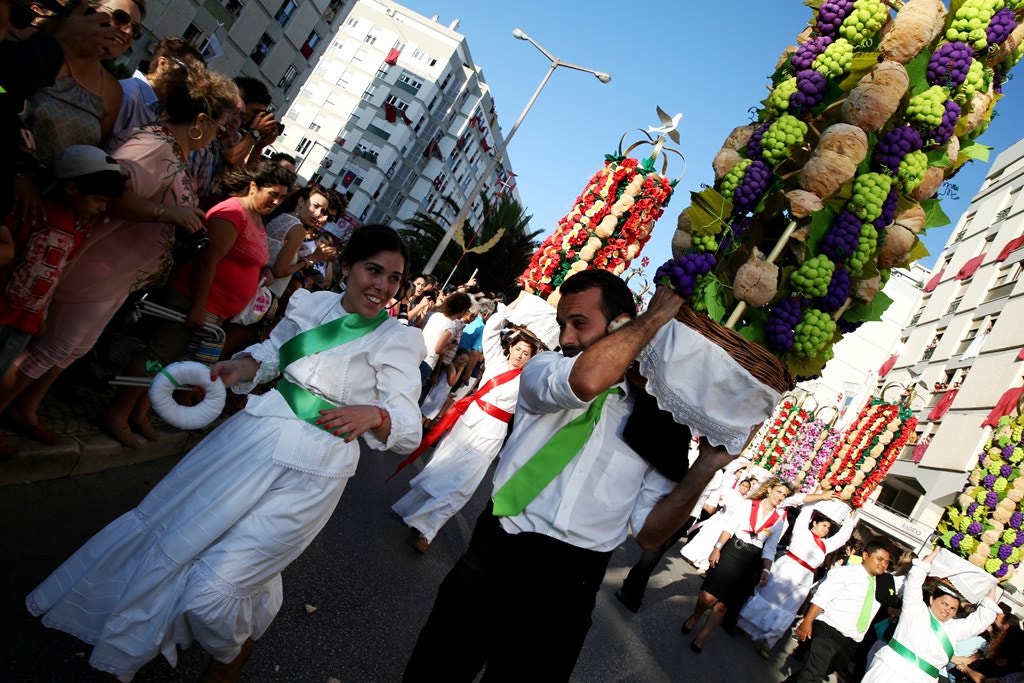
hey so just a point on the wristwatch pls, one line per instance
(255, 134)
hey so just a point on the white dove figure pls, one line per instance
(669, 125)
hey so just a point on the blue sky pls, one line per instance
(708, 60)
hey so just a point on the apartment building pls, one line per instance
(397, 116)
(277, 41)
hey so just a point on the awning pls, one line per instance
(934, 282)
(943, 405)
(887, 366)
(1010, 247)
(968, 268)
(1007, 404)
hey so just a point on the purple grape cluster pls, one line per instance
(1000, 27)
(831, 15)
(805, 55)
(838, 291)
(754, 143)
(846, 327)
(949, 64)
(1005, 550)
(975, 528)
(1006, 470)
(1015, 520)
(782, 318)
(894, 145)
(889, 206)
(988, 481)
(997, 79)
(736, 227)
(753, 186)
(810, 91)
(840, 241)
(972, 508)
(684, 271)
(941, 134)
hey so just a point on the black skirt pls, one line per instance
(736, 575)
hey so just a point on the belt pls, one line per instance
(800, 562)
(494, 411)
(921, 664)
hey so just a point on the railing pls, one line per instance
(953, 305)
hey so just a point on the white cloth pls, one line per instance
(724, 497)
(973, 582)
(461, 459)
(201, 556)
(772, 608)
(604, 489)
(538, 315)
(737, 524)
(433, 330)
(277, 230)
(841, 597)
(914, 632)
(161, 395)
(725, 405)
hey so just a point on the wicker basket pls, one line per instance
(756, 360)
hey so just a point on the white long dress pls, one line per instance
(915, 633)
(461, 459)
(699, 549)
(201, 556)
(771, 610)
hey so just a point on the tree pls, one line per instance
(498, 267)
(423, 232)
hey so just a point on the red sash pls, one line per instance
(457, 410)
(769, 522)
(820, 543)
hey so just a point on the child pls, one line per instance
(86, 179)
(450, 377)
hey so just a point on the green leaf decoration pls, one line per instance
(940, 158)
(821, 221)
(862, 63)
(975, 150)
(753, 333)
(917, 71)
(813, 4)
(713, 300)
(935, 217)
(708, 212)
(805, 367)
(917, 252)
(870, 311)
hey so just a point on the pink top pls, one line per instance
(238, 273)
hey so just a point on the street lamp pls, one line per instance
(499, 151)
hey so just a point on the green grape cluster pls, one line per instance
(925, 109)
(781, 136)
(812, 278)
(867, 242)
(865, 20)
(970, 21)
(977, 80)
(704, 243)
(778, 101)
(813, 333)
(869, 193)
(836, 60)
(912, 169)
(731, 180)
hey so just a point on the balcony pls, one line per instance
(953, 305)
(999, 292)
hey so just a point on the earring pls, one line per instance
(197, 134)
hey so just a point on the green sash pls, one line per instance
(352, 326)
(924, 666)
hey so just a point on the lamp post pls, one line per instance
(499, 151)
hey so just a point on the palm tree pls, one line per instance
(423, 232)
(498, 267)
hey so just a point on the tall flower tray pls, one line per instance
(781, 431)
(985, 525)
(814, 444)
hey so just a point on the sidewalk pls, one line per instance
(70, 410)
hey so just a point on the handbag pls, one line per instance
(256, 308)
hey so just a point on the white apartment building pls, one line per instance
(397, 116)
(962, 349)
(277, 41)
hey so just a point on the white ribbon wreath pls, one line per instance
(187, 417)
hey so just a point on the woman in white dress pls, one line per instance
(922, 644)
(461, 460)
(201, 556)
(772, 608)
(731, 493)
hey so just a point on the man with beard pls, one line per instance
(566, 489)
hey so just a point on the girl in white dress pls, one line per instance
(922, 643)
(732, 492)
(772, 608)
(461, 460)
(201, 556)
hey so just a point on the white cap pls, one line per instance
(79, 160)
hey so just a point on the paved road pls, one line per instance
(371, 592)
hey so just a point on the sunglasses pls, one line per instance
(122, 19)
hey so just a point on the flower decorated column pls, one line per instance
(813, 446)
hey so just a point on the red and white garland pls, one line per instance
(782, 431)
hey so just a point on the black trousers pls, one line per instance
(517, 605)
(830, 651)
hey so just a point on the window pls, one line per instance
(289, 77)
(368, 93)
(192, 33)
(1004, 282)
(315, 127)
(399, 104)
(409, 83)
(234, 7)
(898, 496)
(303, 146)
(379, 132)
(421, 56)
(370, 38)
(286, 11)
(352, 22)
(310, 44)
(259, 53)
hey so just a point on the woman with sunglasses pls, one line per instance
(81, 106)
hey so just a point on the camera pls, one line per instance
(280, 128)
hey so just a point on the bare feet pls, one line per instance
(143, 426)
(34, 428)
(118, 429)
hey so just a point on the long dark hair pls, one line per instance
(291, 202)
(265, 174)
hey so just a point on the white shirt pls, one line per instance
(841, 596)
(737, 523)
(433, 330)
(604, 489)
